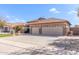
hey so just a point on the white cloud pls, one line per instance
(14, 19)
(54, 10)
(17, 19)
(72, 12)
(23, 20)
(8, 16)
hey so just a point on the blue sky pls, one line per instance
(27, 12)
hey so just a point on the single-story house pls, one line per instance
(50, 26)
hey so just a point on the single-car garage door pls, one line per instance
(35, 30)
(53, 31)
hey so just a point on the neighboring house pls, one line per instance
(75, 30)
(5, 29)
(50, 26)
(10, 27)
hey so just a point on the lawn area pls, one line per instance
(5, 35)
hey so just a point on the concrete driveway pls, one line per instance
(16, 43)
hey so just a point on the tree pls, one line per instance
(2, 23)
(18, 28)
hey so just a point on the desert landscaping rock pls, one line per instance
(44, 52)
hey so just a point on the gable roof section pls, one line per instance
(49, 20)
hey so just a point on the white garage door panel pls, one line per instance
(52, 30)
(35, 30)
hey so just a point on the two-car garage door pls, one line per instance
(35, 30)
(53, 31)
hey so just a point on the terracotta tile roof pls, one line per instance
(49, 20)
(15, 24)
